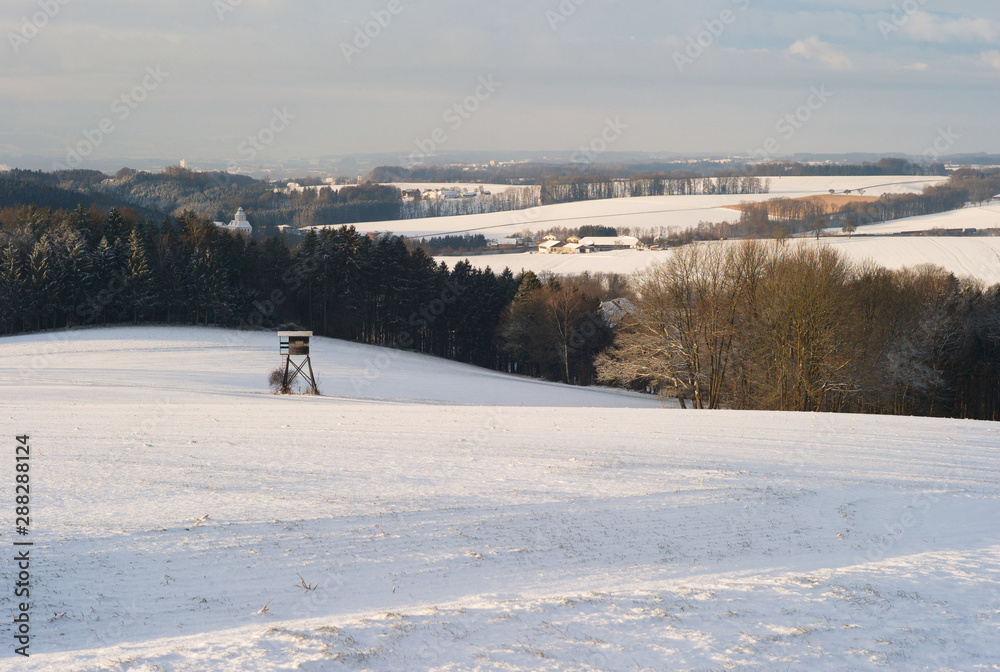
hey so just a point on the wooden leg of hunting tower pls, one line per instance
(312, 378)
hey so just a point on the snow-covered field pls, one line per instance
(455, 519)
(973, 217)
(681, 212)
(976, 257)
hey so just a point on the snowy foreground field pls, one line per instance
(455, 519)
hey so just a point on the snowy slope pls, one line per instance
(171, 361)
(681, 212)
(450, 536)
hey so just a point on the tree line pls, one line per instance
(514, 198)
(574, 188)
(884, 166)
(772, 326)
(83, 268)
(77, 268)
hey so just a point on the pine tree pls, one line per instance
(115, 227)
(103, 303)
(78, 277)
(138, 277)
(42, 283)
(12, 290)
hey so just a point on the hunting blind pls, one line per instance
(295, 344)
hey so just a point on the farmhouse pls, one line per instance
(606, 244)
(550, 246)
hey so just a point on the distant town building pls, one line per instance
(240, 224)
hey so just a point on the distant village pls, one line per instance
(440, 193)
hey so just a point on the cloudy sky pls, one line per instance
(198, 79)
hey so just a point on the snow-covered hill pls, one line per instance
(444, 526)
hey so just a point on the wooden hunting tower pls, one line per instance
(296, 344)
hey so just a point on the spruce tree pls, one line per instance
(12, 290)
(138, 277)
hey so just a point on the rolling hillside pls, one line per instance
(443, 518)
(681, 212)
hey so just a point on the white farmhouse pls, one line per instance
(606, 244)
(240, 224)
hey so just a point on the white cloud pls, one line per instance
(936, 28)
(992, 58)
(814, 48)
(919, 67)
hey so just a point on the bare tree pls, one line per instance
(681, 334)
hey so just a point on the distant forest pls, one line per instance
(217, 195)
(538, 173)
(886, 166)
